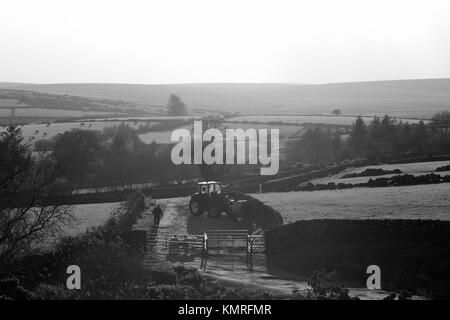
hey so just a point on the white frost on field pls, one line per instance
(86, 216)
(42, 112)
(406, 202)
(416, 169)
(318, 119)
(90, 215)
(34, 132)
(162, 137)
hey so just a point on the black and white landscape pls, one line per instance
(358, 206)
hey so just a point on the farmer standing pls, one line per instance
(157, 214)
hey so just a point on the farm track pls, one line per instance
(232, 267)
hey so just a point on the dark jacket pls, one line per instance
(157, 212)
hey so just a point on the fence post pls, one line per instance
(249, 244)
(205, 242)
(146, 241)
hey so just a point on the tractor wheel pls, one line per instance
(195, 207)
(229, 212)
(214, 212)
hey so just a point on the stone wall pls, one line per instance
(412, 254)
(291, 182)
(264, 216)
(117, 196)
(357, 230)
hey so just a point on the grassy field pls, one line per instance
(417, 168)
(33, 132)
(85, 216)
(158, 137)
(303, 119)
(35, 103)
(90, 215)
(285, 130)
(405, 202)
(58, 113)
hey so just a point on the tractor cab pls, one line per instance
(208, 198)
(206, 188)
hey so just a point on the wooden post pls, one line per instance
(205, 242)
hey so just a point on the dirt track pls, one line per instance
(231, 267)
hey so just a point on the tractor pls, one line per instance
(210, 198)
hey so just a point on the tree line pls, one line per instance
(115, 156)
(379, 140)
(32, 179)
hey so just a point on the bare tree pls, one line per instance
(28, 197)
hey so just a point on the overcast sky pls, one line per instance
(171, 41)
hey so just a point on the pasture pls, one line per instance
(405, 202)
(34, 132)
(308, 119)
(86, 216)
(416, 169)
(402, 98)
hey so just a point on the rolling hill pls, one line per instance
(406, 98)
